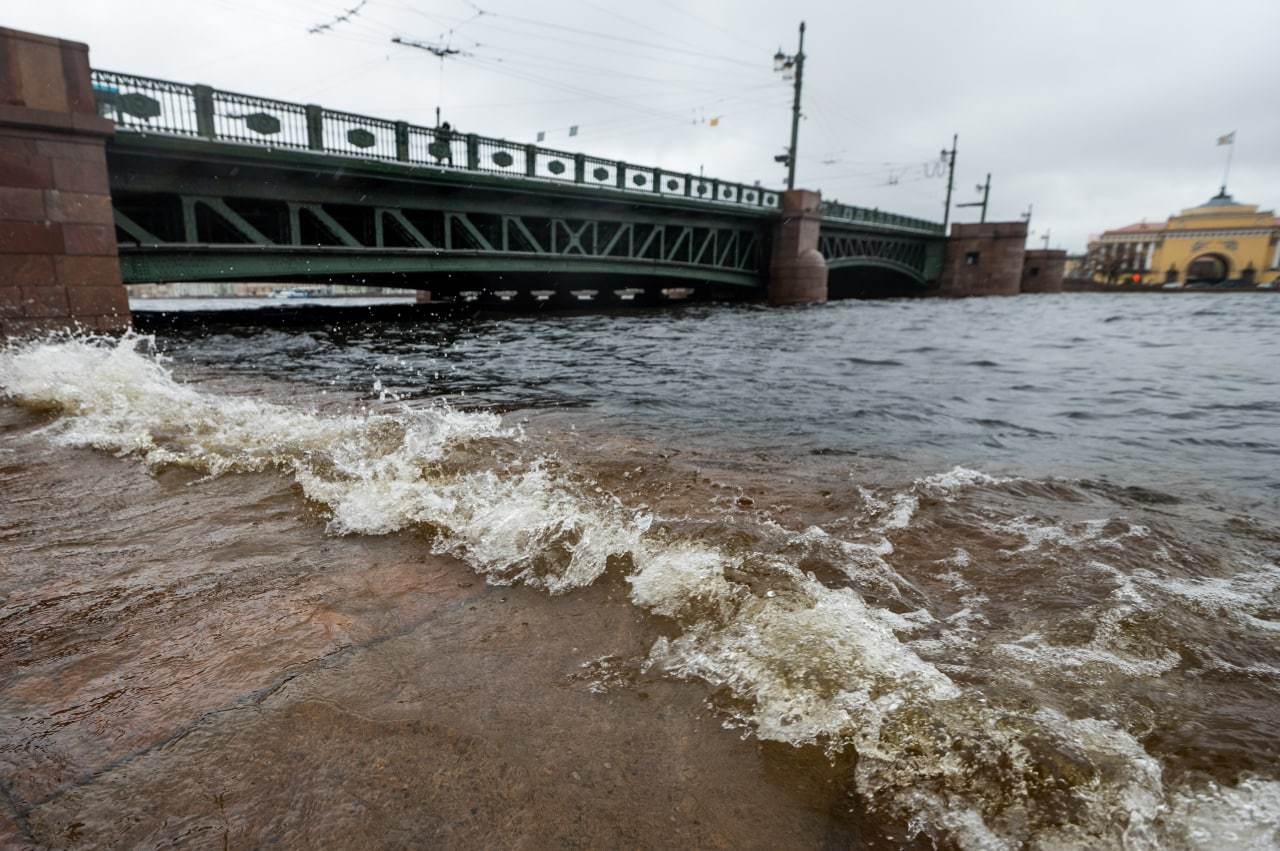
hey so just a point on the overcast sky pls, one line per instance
(1098, 112)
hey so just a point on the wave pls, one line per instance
(873, 361)
(801, 662)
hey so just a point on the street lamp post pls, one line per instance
(950, 157)
(985, 189)
(786, 64)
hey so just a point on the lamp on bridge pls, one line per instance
(792, 68)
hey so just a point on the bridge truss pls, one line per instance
(211, 237)
(914, 258)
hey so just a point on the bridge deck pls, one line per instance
(208, 184)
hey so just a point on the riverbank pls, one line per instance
(1081, 285)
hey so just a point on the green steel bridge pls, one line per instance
(212, 185)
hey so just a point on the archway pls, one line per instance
(1208, 269)
(871, 279)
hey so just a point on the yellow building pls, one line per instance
(1219, 241)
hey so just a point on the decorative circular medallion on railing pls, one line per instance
(702, 189)
(640, 179)
(673, 184)
(502, 159)
(601, 173)
(749, 197)
(726, 193)
(262, 123)
(139, 105)
(361, 137)
(555, 167)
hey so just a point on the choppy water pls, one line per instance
(996, 573)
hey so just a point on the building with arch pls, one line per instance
(1220, 241)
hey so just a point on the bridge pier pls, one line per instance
(1043, 270)
(58, 263)
(797, 269)
(984, 259)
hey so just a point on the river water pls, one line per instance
(993, 573)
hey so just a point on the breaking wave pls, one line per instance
(799, 661)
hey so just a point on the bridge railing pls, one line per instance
(148, 105)
(862, 215)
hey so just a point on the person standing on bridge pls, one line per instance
(442, 147)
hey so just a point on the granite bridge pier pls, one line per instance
(109, 178)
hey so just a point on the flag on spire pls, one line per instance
(1229, 139)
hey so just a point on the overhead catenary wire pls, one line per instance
(497, 67)
(389, 28)
(573, 67)
(647, 92)
(610, 36)
(339, 19)
(641, 24)
(677, 8)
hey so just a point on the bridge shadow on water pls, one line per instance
(454, 296)
(445, 297)
(869, 282)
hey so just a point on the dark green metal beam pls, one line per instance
(876, 263)
(173, 263)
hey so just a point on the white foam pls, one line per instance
(904, 509)
(806, 661)
(668, 579)
(957, 479)
(376, 473)
(1109, 645)
(1240, 597)
(1245, 817)
(900, 509)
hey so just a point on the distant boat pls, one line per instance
(291, 293)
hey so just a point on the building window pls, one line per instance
(971, 258)
(1035, 270)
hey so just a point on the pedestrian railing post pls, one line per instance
(204, 111)
(531, 160)
(579, 168)
(473, 152)
(315, 127)
(657, 180)
(621, 174)
(402, 141)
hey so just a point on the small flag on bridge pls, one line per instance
(573, 131)
(542, 134)
(1229, 139)
(715, 122)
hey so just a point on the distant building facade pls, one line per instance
(1218, 241)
